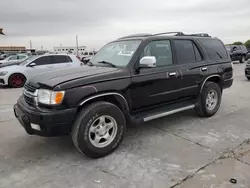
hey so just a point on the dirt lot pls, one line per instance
(181, 150)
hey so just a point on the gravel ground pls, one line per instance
(181, 150)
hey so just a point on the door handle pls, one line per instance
(171, 74)
(204, 69)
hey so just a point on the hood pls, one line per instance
(55, 77)
(9, 68)
(7, 64)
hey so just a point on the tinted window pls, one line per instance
(42, 60)
(21, 57)
(215, 49)
(185, 51)
(61, 59)
(197, 53)
(14, 57)
(237, 48)
(243, 48)
(161, 50)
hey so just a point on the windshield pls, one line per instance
(118, 53)
(26, 61)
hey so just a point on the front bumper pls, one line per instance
(247, 71)
(44, 122)
(4, 80)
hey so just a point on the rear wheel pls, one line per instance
(209, 100)
(16, 80)
(98, 129)
(243, 59)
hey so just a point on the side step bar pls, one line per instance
(155, 116)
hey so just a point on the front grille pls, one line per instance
(29, 100)
(30, 94)
(29, 88)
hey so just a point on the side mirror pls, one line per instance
(234, 49)
(148, 61)
(32, 64)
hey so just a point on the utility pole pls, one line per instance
(77, 45)
(30, 45)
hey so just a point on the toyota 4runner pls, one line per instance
(131, 80)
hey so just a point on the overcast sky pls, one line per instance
(50, 23)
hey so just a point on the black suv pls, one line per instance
(131, 80)
(237, 52)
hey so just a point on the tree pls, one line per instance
(247, 43)
(238, 43)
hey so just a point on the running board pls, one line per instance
(155, 116)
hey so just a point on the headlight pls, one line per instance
(3, 73)
(50, 97)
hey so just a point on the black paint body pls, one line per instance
(139, 88)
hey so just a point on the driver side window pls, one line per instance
(161, 50)
(42, 61)
(14, 57)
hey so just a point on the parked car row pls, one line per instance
(238, 53)
(16, 74)
(14, 59)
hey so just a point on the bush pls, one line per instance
(247, 44)
(237, 43)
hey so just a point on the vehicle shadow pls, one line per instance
(36, 148)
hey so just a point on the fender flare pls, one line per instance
(211, 76)
(120, 96)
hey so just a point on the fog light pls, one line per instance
(35, 126)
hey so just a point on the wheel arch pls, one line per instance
(213, 78)
(112, 97)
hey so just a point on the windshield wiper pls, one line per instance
(107, 63)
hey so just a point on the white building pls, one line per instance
(66, 49)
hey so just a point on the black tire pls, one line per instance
(248, 78)
(16, 80)
(201, 108)
(83, 122)
(243, 59)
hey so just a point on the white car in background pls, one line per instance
(14, 58)
(16, 75)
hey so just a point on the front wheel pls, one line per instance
(16, 80)
(209, 100)
(98, 129)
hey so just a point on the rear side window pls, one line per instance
(186, 51)
(215, 49)
(243, 48)
(61, 59)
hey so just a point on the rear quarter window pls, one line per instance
(215, 49)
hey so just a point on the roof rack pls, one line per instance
(166, 33)
(199, 35)
(136, 35)
(182, 34)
